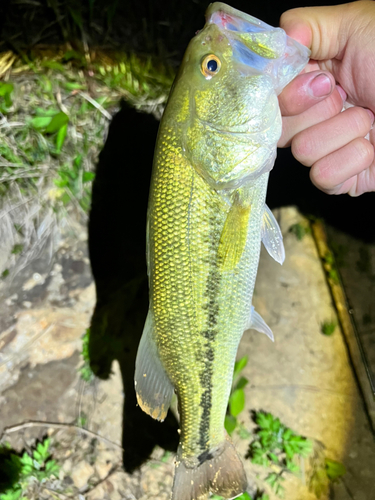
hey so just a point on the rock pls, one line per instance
(103, 464)
(67, 466)
(82, 473)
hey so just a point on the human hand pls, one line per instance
(342, 43)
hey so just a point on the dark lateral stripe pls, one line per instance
(212, 311)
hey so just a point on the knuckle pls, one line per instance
(333, 105)
(321, 174)
(358, 120)
(364, 151)
(301, 149)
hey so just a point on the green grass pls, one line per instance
(55, 116)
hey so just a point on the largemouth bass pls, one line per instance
(206, 220)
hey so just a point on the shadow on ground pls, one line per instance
(117, 252)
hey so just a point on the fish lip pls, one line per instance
(221, 14)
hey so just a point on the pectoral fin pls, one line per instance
(257, 323)
(272, 237)
(233, 237)
(153, 388)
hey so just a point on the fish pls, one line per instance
(206, 220)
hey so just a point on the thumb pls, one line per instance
(324, 30)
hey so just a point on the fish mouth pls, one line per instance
(234, 20)
(259, 48)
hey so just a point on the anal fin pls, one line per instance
(153, 388)
(257, 323)
(271, 236)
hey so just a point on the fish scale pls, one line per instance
(206, 219)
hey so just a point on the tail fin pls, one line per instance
(221, 472)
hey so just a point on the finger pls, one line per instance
(304, 91)
(323, 29)
(324, 138)
(322, 111)
(331, 172)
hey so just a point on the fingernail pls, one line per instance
(342, 92)
(321, 86)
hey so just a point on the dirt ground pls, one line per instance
(305, 378)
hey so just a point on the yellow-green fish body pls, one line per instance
(207, 217)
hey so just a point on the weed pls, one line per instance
(335, 470)
(300, 230)
(82, 420)
(52, 122)
(85, 371)
(324, 471)
(19, 471)
(328, 327)
(74, 183)
(237, 398)
(275, 444)
(330, 267)
(6, 90)
(17, 248)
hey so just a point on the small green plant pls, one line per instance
(328, 327)
(18, 471)
(330, 267)
(82, 420)
(323, 471)
(17, 248)
(6, 90)
(52, 121)
(300, 230)
(237, 397)
(85, 371)
(335, 470)
(73, 181)
(274, 444)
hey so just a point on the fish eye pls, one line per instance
(210, 65)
